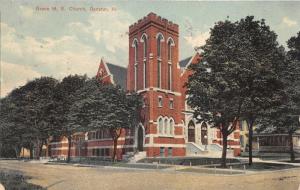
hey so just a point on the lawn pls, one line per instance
(13, 180)
(259, 166)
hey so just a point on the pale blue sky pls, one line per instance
(57, 43)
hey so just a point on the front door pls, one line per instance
(204, 136)
(191, 132)
(140, 139)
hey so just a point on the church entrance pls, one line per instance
(191, 132)
(204, 137)
(140, 143)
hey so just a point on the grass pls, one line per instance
(210, 171)
(115, 164)
(13, 180)
(186, 161)
(260, 166)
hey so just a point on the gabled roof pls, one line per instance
(119, 74)
(184, 62)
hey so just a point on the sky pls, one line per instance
(58, 38)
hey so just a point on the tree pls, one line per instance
(27, 116)
(238, 75)
(65, 96)
(213, 91)
(285, 117)
(10, 134)
(294, 48)
(261, 66)
(38, 98)
(104, 106)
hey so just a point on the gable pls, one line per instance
(113, 74)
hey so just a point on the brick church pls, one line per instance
(167, 127)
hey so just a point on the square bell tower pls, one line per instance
(154, 73)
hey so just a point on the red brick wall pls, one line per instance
(151, 25)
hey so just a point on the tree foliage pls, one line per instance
(237, 77)
(26, 114)
(104, 106)
(214, 92)
(65, 97)
(284, 118)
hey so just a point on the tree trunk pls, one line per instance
(250, 138)
(115, 149)
(69, 148)
(40, 150)
(224, 151)
(115, 136)
(292, 153)
(31, 152)
(17, 152)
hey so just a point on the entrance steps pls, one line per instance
(133, 157)
(212, 150)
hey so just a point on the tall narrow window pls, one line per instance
(169, 50)
(135, 51)
(166, 126)
(158, 73)
(160, 126)
(171, 127)
(135, 46)
(144, 39)
(169, 79)
(135, 76)
(169, 76)
(159, 39)
(145, 74)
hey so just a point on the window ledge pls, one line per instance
(166, 136)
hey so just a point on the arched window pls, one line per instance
(135, 46)
(171, 126)
(160, 126)
(144, 39)
(191, 132)
(170, 44)
(160, 39)
(166, 126)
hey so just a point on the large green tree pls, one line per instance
(11, 131)
(65, 96)
(237, 77)
(104, 106)
(27, 113)
(285, 117)
(213, 91)
(261, 64)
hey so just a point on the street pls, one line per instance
(66, 177)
